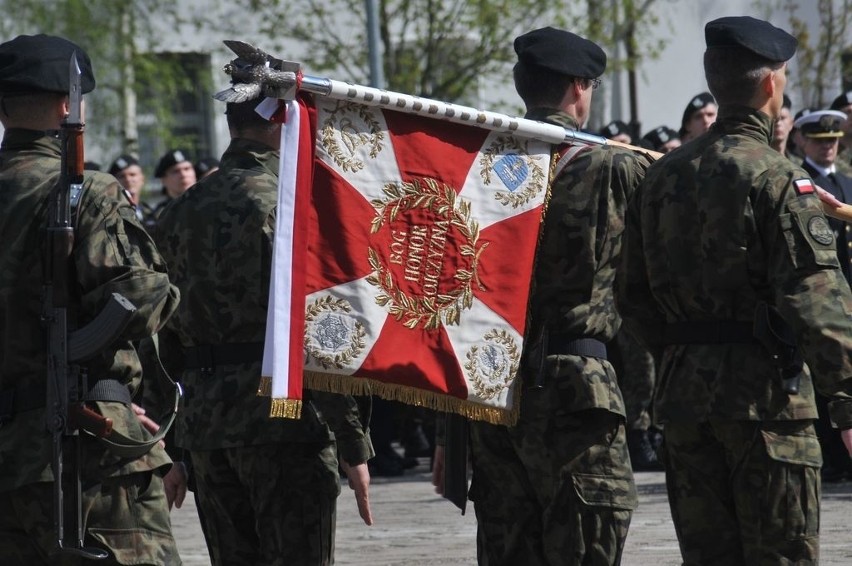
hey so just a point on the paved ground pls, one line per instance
(415, 527)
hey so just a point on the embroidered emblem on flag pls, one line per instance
(420, 256)
(512, 170)
(804, 186)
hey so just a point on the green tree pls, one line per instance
(440, 48)
(430, 48)
(816, 76)
(119, 36)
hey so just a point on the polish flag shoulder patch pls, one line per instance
(804, 187)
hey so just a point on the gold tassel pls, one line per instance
(285, 409)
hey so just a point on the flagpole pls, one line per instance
(457, 113)
(274, 81)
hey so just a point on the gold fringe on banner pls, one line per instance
(280, 408)
(264, 388)
(349, 385)
(285, 409)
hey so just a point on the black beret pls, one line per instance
(757, 36)
(803, 112)
(660, 136)
(698, 102)
(170, 159)
(788, 104)
(562, 52)
(40, 63)
(614, 128)
(121, 163)
(205, 165)
(841, 101)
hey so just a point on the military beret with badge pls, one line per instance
(562, 52)
(614, 128)
(698, 102)
(121, 163)
(842, 101)
(659, 137)
(169, 160)
(39, 63)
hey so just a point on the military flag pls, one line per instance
(420, 246)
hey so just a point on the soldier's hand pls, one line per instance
(438, 470)
(147, 422)
(827, 198)
(175, 484)
(358, 477)
(846, 436)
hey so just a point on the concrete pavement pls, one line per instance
(415, 527)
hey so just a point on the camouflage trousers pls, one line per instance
(744, 493)
(126, 515)
(271, 504)
(552, 490)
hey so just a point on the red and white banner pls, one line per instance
(421, 240)
(283, 357)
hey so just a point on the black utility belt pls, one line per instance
(589, 347)
(709, 332)
(209, 356)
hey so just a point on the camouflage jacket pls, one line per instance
(577, 257)
(717, 226)
(217, 240)
(112, 253)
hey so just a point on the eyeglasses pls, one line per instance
(595, 83)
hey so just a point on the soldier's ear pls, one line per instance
(65, 107)
(769, 84)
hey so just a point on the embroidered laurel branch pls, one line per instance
(536, 180)
(333, 133)
(357, 343)
(443, 201)
(489, 383)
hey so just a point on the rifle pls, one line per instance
(65, 412)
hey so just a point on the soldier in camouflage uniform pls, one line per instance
(557, 488)
(124, 504)
(723, 236)
(267, 488)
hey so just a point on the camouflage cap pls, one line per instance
(562, 52)
(759, 37)
(821, 124)
(39, 63)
